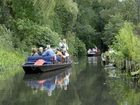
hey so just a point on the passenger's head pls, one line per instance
(64, 40)
(48, 46)
(34, 50)
(40, 49)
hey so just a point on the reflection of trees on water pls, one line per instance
(89, 85)
(93, 60)
(88, 89)
(124, 90)
(18, 93)
(91, 88)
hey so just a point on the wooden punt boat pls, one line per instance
(31, 68)
(46, 75)
(93, 54)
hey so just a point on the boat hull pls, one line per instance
(30, 69)
(46, 75)
(91, 55)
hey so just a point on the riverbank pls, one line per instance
(10, 63)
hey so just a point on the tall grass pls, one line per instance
(127, 45)
(10, 60)
(10, 63)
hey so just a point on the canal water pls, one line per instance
(85, 83)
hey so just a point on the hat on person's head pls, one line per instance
(48, 46)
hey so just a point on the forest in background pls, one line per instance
(84, 23)
(88, 22)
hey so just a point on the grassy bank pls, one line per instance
(10, 63)
(10, 60)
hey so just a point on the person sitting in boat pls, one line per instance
(59, 55)
(89, 51)
(40, 51)
(34, 52)
(94, 50)
(50, 53)
(66, 56)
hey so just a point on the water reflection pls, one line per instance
(93, 59)
(48, 81)
(88, 84)
(112, 71)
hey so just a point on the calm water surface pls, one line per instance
(86, 83)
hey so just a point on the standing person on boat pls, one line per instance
(64, 47)
(61, 44)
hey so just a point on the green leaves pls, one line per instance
(34, 34)
(77, 47)
(127, 42)
(5, 37)
(10, 60)
(111, 29)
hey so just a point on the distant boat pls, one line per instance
(93, 52)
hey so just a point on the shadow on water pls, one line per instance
(86, 83)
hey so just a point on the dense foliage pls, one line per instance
(84, 23)
(127, 47)
(10, 60)
(39, 22)
(42, 22)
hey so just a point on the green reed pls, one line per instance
(10, 63)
